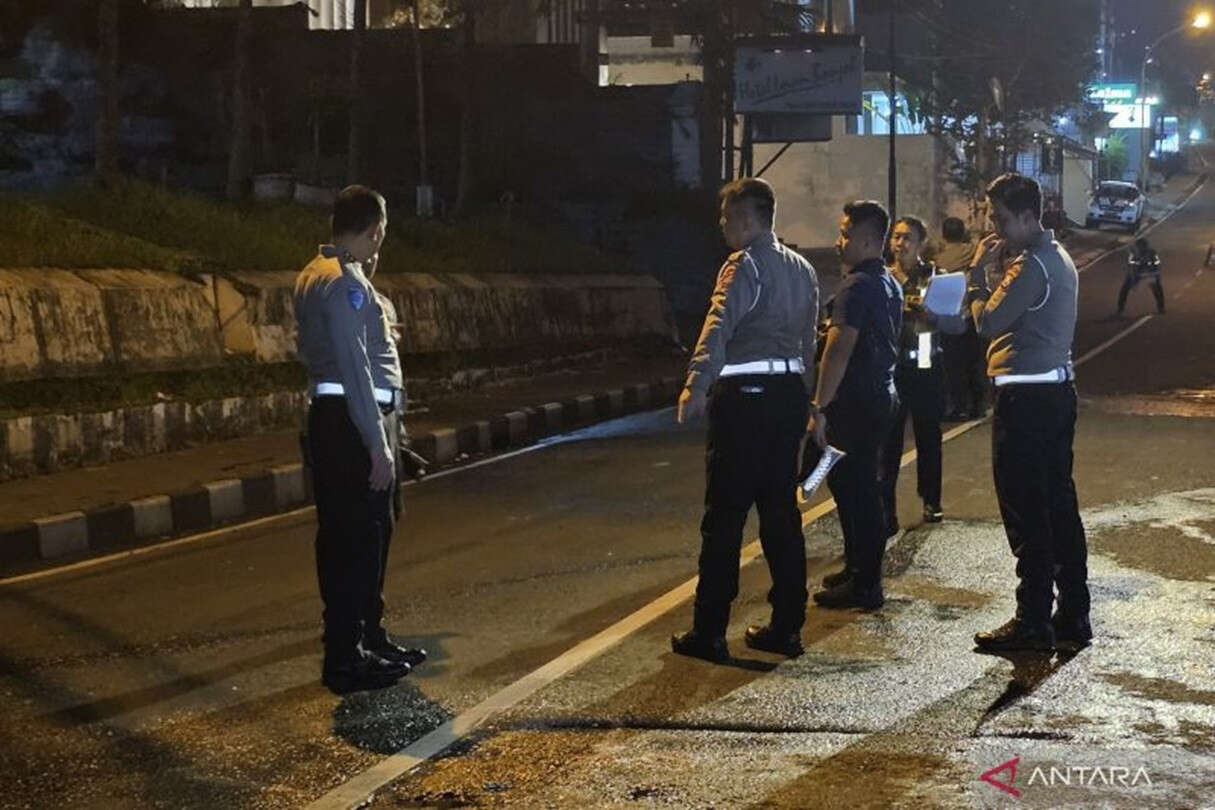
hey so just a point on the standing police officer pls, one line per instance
(1031, 319)
(351, 459)
(753, 363)
(856, 400)
(919, 377)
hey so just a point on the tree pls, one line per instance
(994, 68)
(106, 155)
(239, 158)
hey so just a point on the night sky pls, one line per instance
(1192, 52)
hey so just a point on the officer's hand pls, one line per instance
(987, 248)
(691, 406)
(816, 429)
(381, 472)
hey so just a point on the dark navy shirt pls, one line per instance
(871, 302)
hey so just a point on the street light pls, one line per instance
(1201, 21)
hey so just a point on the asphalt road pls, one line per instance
(188, 677)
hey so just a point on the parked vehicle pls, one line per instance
(1116, 203)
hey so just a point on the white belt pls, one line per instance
(384, 396)
(1055, 375)
(794, 366)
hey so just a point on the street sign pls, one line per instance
(790, 128)
(817, 74)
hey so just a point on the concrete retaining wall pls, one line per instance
(60, 323)
(457, 312)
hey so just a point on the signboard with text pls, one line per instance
(817, 74)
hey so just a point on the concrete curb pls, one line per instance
(287, 487)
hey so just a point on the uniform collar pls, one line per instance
(335, 252)
(869, 266)
(767, 239)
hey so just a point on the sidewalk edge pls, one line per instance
(283, 488)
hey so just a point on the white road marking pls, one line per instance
(1114, 339)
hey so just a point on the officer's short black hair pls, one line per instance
(916, 224)
(757, 192)
(953, 229)
(870, 214)
(1142, 244)
(1017, 193)
(356, 209)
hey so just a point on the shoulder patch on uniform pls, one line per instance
(1010, 275)
(356, 297)
(737, 255)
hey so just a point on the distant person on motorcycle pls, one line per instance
(1143, 263)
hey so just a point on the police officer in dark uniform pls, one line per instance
(753, 363)
(855, 401)
(1143, 263)
(919, 377)
(349, 452)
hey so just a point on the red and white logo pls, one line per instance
(992, 777)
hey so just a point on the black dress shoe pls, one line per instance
(390, 651)
(1071, 633)
(763, 637)
(1016, 635)
(694, 645)
(367, 672)
(837, 578)
(933, 513)
(851, 595)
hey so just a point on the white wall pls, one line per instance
(814, 180)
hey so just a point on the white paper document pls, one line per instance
(944, 294)
(829, 459)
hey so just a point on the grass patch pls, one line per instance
(145, 226)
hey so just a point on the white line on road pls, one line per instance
(1114, 339)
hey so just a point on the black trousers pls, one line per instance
(354, 526)
(859, 431)
(756, 424)
(1032, 433)
(1132, 281)
(965, 370)
(922, 397)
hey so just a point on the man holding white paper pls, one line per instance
(919, 374)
